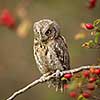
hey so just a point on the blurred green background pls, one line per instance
(17, 65)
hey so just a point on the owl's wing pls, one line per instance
(62, 53)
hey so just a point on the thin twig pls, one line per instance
(43, 79)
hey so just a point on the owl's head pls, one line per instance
(46, 29)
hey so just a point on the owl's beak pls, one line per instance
(43, 39)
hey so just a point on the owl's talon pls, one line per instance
(58, 74)
(61, 74)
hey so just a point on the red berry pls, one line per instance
(73, 94)
(7, 19)
(91, 6)
(86, 73)
(91, 86)
(92, 3)
(86, 94)
(68, 76)
(92, 79)
(97, 71)
(92, 70)
(89, 26)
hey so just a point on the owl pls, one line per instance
(50, 51)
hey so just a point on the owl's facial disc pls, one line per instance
(46, 29)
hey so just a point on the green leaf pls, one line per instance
(73, 84)
(98, 82)
(97, 37)
(91, 43)
(96, 23)
(63, 79)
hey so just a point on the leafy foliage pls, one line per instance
(92, 30)
(83, 84)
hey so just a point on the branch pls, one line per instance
(44, 79)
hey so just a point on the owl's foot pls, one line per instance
(58, 73)
(59, 83)
(56, 81)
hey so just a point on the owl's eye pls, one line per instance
(48, 32)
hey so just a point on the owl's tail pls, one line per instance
(57, 83)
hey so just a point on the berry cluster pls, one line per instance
(21, 25)
(94, 31)
(83, 83)
(7, 19)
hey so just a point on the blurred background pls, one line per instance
(17, 64)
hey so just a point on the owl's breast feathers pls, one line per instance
(62, 53)
(52, 55)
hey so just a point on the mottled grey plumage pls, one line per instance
(50, 50)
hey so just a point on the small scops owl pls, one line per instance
(50, 50)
